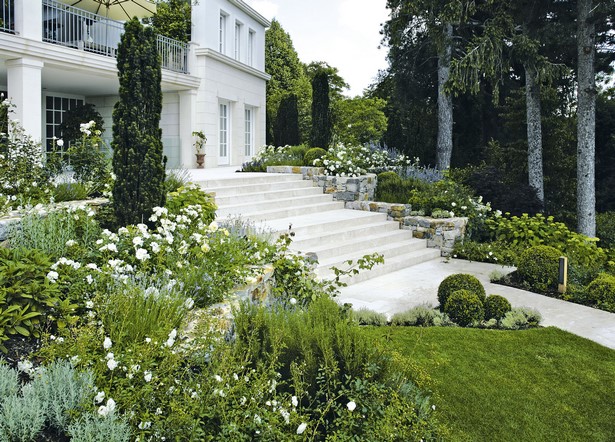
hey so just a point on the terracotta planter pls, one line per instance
(200, 160)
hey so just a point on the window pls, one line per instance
(249, 132)
(237, 40)
(251, 38)
(223, 130)
(55, 107)
(222, 36)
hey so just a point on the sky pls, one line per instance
(344, 33)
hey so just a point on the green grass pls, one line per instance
(532, 385)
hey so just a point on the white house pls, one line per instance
(54, 57)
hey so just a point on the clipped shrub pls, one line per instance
(420, 316)
(521, 318)
(459, 281)
(538, 266)
(365, 316)
(312, 155)
(464, 307)
(601, 292)
(496, 307)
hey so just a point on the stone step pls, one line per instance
(389, 251)
(330, 249)
(243, 179)
(223, 191)
(279, 203)
(311, 224)
(340, 232)
(262, 196)
(394, 264)
(283, 212)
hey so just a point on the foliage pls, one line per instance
(420, 316)
(459, 281)
(74, 118)
(137, 145)
(538, 266)
(464, 307)
(23, 177)
(70, 191)
(601, 292)
(496, 307)
(359, 120)
(287, 77)
(175, 179)
(527, 231)
(27, 292)
(605, 229)
(353, 161)
(521, 318)
(173, 19)
(286, 126)
(312, 155)
(192, 195)
(56, 231)
(89, 162)
(321, 112)
(365, 316)
(91, 428)
(50, 399)
(495, 251)
(276, 156)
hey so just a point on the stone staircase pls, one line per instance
(321, 225)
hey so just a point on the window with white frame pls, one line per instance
(55, 108)
(224, 128)
(249, 132)
(222, 31)
(251, 38)
(237, 40)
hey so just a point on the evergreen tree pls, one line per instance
(286, 129)
(138, 162)
(173, 19)
(321, 112)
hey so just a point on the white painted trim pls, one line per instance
(251, 12)
(207, 52)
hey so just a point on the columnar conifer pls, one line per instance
(321, 113)
(138, 162)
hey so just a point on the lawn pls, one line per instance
(532, 385)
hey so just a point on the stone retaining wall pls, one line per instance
(307, 171)
(441, 233)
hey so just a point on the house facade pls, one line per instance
(54, 57)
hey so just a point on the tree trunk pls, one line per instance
(444, 149)
(534, 133)
(586, 120)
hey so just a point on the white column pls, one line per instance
(24, 91)
(29, 19)
(187, 118)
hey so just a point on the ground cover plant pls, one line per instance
(540, 384)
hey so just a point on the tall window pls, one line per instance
(251, 38)
(55, 107)
(222, 36)
(249, 132)
(237, 40)
(223, 130)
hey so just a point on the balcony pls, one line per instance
(82, 30)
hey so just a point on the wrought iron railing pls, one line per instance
(7, 16)
(73, 27)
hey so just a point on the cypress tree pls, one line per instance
(138, 162)
(286, 129)
(321, 121)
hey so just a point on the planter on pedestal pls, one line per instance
(200, 160)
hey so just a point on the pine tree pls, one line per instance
(138, 162)
(321, 113)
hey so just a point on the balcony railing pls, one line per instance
(73, 27)
(7, 16)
